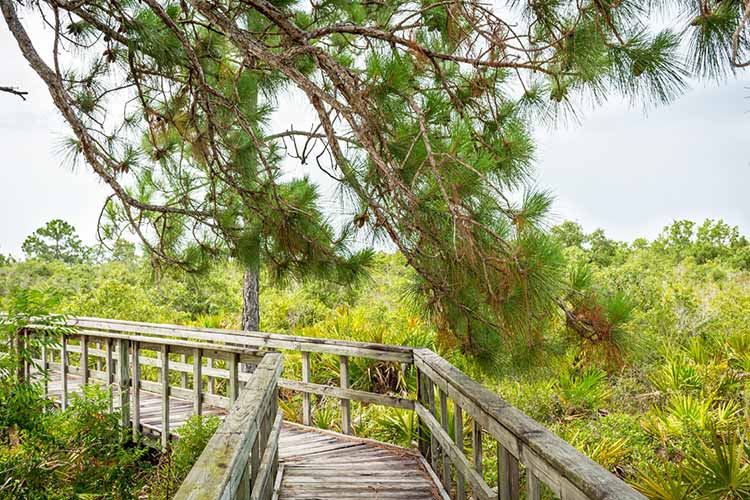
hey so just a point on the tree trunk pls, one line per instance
(250, 306)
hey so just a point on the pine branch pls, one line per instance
(13, 90)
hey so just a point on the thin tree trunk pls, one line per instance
(250, 303)
(250, 306)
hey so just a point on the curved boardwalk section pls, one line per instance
(322, 464)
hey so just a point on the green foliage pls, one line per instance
(175, 465)
(56, 240)
(73, 454)
(669, 416)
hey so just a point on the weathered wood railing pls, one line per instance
(528, 455)
(241, 459)
(521, 442)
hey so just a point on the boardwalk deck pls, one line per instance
(179, 409)
(315, 464)
(326, 465)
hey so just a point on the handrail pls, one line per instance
(527, 452)
(241, 459)
(521, 440)
(254, 339)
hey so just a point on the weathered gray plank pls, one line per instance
(350, 394)
(464, 469)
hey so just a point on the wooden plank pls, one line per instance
(458, 434)
(433, 440)
(110, 373)
(346, 416)
(165, 396)
(183, 375)
(197, 383)
(350, 394)
(444, 422)
(234, 383)
(45, 368)
(533, 487)
(422, 439)
(554, 461)
(255, 339)
(220, 471)
(306, 404)
(476, 444)
(211, 380)
(508, 476)
(265, 477)
(84, 361)
(480, 489)
(136, 392)
(64, 364)
(123, 380)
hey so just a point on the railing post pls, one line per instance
(98, 358)
(306, 404)
(433, 441)
(458, 432)
(164, 396)
(197, 382)
(346, 417)
(476, 444)
(533, 485)
(123, 378)
(233, 390)
(110, 373)
(45, 373)
(422, 443)
(64, 369)
(136, 391)
(84, 361)
(211, 381)
(183, 375)
(444, 423)
(508, 476)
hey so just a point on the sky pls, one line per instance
(619, 168)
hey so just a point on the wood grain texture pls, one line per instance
(327, 465)
(566, 471)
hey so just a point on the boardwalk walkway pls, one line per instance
(314, 464)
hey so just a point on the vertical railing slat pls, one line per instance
(123, 379)
(45, 371)
(164, 396)
(533, 486)
(84, 362)
(508, 476)
(136, 391)
(476, 444)
(110, 373)
(458, 433)
(430, 387)
(445, 424)
(197, 382)
(346, 416)
(183, 375)
(423, 443)
(211, 381)
(64, 365)
(234, 383)
(306, 403)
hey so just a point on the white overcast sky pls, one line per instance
(627, 172)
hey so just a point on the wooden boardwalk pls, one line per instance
(314, 464)
(179, 409)
(326, 465)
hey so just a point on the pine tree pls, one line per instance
(424, 108)
(56, 240)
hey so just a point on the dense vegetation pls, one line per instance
(662, 399)
(48, 453)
